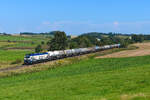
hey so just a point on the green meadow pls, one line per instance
(12, 55)
(9, 57)
(14, 48)
(88, 79)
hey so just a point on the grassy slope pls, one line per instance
(12, 55)
(91, 79)
(18, 45)
(7, 57)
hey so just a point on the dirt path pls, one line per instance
(144, 49)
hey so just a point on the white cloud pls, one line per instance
(116, 23)
(116, 26)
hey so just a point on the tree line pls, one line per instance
(42, 33)
(61, 41)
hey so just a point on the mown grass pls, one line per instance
(89, 79)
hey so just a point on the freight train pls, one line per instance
(54, 55)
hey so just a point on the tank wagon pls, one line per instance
(53, 55)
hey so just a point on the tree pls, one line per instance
(38, 49)
(59, 42)
(137, 38)
(84, 42)
(32, 42)
(141, 38)
(42, 42)
(73, 45)
(9, 41)
(105, 41)
(124, 43)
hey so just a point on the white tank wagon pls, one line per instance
(53, 55)
(68, 52)
(85, 50)
(78, 51)
(97, 48)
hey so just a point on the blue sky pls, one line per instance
(75, 16)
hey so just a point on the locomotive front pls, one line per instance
(27, 59)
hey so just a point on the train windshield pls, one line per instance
(27, 56)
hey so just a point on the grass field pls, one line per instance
(7, 57)
(14, 48)
(91, 79)
(11, 55)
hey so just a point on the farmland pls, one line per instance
(88, 79)
(21, 42)
(14, 48)
(143, 49)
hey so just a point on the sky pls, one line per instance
(75, 16)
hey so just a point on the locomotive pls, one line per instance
(54, 55)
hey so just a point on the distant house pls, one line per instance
(130, 37)
(71, 37)
(98, 39)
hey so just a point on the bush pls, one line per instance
(32, 42)
(38, 49)
(8, 41)
(42, 42)
(124, 44)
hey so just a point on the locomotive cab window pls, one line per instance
(27, 56)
